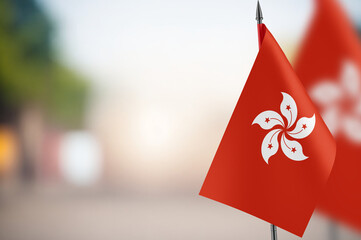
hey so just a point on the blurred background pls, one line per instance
(111, 112)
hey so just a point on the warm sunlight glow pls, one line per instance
(154, 129)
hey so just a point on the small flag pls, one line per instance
(329, 65)
(276, 153)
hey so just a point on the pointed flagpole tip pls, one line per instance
(259, 15)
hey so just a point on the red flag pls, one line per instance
(276, 153)
(329, 66)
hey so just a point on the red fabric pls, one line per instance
(261, 29)
(283, 192)
(330, 41)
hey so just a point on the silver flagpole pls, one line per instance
(333, 231)
(259, 18)
(273, 232)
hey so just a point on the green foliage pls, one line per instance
(66, 97)
(29, 74)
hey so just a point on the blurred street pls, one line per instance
(44, 213)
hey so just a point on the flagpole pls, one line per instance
(261, 32)
(260, 26)
(273, 232)
(333, 230)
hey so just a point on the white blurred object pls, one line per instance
(80, 158)
(153, 131)
(340, 102)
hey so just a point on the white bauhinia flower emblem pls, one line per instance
(271, 119)
(340, 102)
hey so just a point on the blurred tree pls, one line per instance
(31, 76)
(67, 97)
(29, 73)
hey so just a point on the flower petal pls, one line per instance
(292, 149)
(325, 93)
(303, 128)
(268, 119)
(352, 128)
(350, 78)
(357, 107)
(289, 109)
(332, 116)
(270, 144)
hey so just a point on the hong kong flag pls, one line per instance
(276, 154)
(329, 65)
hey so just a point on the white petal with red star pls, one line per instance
(304, 127)
(268, 119)
(292, 149)
(270, 144)
(289, 109)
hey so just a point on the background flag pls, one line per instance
(276, 153)
(329, 65)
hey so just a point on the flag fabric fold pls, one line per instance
(329, 66)
(276, 154)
